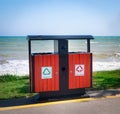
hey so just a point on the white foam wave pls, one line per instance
(104, 66)
(21, 67)
(117, 54)
(17, 67)
(92, 42)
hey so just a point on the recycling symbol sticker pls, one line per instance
(46, 72)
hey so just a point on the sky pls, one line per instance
(60, 17)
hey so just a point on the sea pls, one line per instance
(14, 52)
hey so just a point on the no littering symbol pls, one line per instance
(79, 70)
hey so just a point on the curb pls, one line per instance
(57, 102)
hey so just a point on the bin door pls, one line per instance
(46, 72)
(80, 70)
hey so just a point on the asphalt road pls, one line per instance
(93, 106)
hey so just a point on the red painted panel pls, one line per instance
(47, 84)
(36, 72)
(56, 72)
(78, 62)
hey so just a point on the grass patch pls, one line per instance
(12, 86)
(106, 79)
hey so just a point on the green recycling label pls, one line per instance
(46, 72)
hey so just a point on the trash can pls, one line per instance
(61, 73)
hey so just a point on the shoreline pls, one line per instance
(21, 67)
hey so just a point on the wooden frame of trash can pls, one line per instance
(61, 73)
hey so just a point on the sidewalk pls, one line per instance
(103, 93)
(32, 100)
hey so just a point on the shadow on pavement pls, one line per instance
(103, 93)
(37, 99)
(16, 102)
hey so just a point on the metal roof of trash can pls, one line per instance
(59, 37)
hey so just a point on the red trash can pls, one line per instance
(60, 73)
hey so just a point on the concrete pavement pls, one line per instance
(25, 101)
(96, 103)
(90, 106)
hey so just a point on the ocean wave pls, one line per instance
(107, 57)
(92, 42)
(117, 54)
(21, 67)
(104, 66)
(17, 67)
